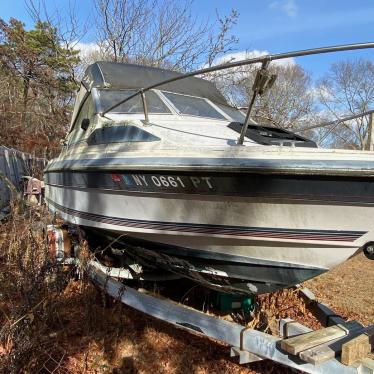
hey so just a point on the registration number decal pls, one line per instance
(164, 182)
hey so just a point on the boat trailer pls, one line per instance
(341, 347)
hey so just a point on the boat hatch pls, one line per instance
(268, 135)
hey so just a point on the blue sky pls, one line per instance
(271, 25)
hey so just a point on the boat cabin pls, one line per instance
(187, 112)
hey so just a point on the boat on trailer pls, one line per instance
(153, 163)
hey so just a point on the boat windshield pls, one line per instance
(193, 106)
(235, 114)
(134, 105)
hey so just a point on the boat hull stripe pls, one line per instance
(265, 165)
(258, 232)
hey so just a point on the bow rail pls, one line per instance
(257, 89)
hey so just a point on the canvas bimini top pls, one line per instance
(114, 75)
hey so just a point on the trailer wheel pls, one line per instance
(369, 250)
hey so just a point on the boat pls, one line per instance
(161, 173)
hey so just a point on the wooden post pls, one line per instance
(300, 343)
(359, 347)
(329, 350)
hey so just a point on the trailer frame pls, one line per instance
(248, 344)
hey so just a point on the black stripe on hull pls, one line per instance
(347, 190)
(219, 271)
(255, 232)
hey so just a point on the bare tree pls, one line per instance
(120, 26)
(288, 104)
(162, 33)
(347, 89)
(69, 27)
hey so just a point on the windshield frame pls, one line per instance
(156, 92)
(95, 94)
(227, 115)
(179, 113)
(96, 105)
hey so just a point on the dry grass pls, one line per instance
(30, 288)
(53, 323)
(348, 289)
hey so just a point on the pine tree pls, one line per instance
(39, 75)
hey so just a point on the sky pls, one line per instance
(274, 26)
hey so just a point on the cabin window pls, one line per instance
(87, 111)
(134, 105)
(193, 106)
(81, 94)
(233, 113)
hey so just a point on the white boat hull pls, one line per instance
(285, 234)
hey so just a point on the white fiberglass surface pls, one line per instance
(318, 253)
(194, 132)
(185, 131)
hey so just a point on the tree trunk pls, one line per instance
(25, 96)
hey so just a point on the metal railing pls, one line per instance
(264, 60)
(336, 121)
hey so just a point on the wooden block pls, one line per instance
(358, 347)
(327, 351)
(355, 350)
(309, 340)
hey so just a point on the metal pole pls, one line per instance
(262, 59)
(371, 133)
(336, 121)
(247, 118)
(146, 117)
(258, 88)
